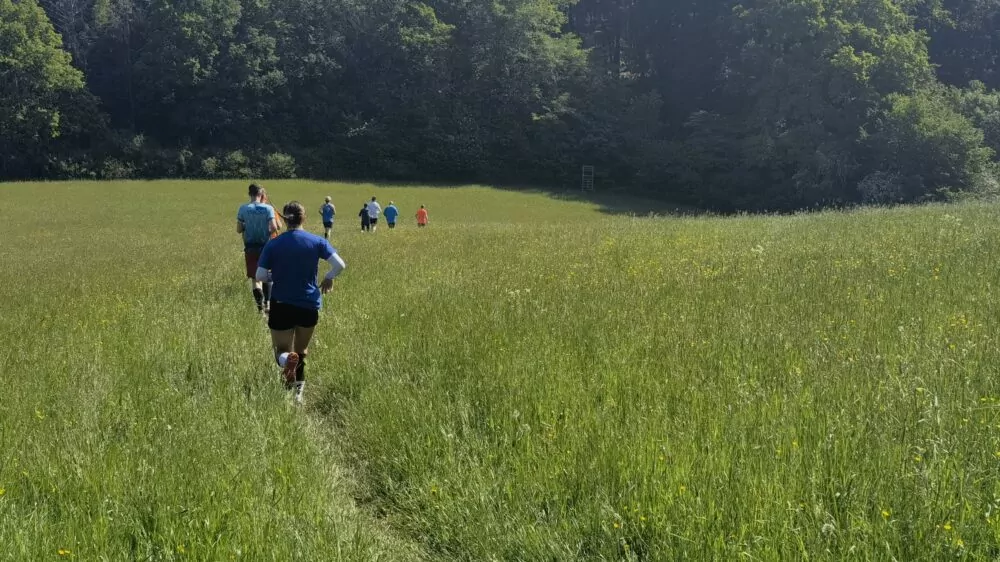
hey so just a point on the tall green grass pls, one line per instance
(817, 387)
(527, 379)
(141, 417)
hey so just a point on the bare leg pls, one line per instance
(301, 345)
(301, 339)
(258, 293)
(283, 341)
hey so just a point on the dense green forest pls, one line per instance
(722, 104)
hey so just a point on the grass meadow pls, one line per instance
(527, 379)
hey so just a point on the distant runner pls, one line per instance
(291, 262)
(422, 217)
(328, 211)
(391, 212)
(374, 209)
(256, 222)
(366, 219)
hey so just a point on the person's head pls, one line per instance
(294, 214)
(256, 192)
(373, 198)
(391, 203)
(328, 199)
(421, 206)
(365, 206)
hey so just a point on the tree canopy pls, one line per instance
(727, 105)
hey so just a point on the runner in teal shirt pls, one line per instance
(391, 212)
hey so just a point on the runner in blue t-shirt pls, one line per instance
(290, 261)
(327, 211)
(391, 212)
(256, 222)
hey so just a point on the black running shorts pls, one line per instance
(287, 317)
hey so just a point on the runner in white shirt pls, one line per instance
(374, 210)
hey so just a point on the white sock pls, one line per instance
(283, 360)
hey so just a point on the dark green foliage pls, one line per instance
(278, 165)
(40, 91)
(730, 105)
(929, 147)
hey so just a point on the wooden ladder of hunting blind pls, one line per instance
(587, 183)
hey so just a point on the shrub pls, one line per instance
(881, 188)
(71, 167)
(115, 169)
(210, 167)
(932, 147)
(235, 164)
(278, 165)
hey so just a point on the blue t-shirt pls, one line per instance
(327, 212)
(256, 218)
(391, 212)
(293, 259)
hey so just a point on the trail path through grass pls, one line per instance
(141, 416)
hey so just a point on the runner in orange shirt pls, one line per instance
(422, 217)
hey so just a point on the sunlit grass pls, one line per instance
(527, 379)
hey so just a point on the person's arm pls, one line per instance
(337, 266)
(263, 273)
(334, 209)
(240, 227)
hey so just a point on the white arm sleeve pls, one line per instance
(336, 266)
(263, 275)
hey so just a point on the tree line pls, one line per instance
(722, 104)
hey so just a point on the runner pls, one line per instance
(327, 211)
(278, 221)
(391, 212)
(280, 224)
(366, 219)
(422, 217)
(256, 222)
(290, 261)
(374, 209)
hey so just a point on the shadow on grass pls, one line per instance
(621, 204)
(613, 202)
